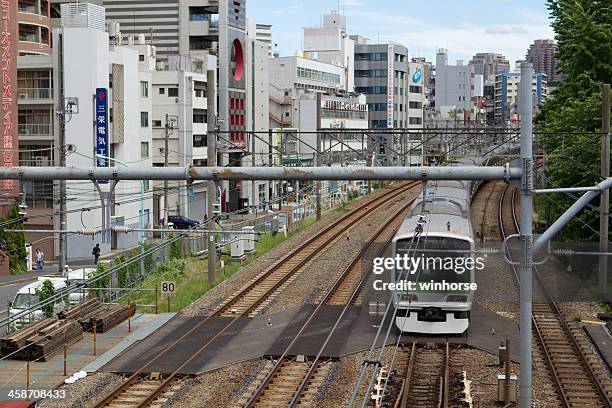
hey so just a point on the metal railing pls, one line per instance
(35, 93)
(38, 129)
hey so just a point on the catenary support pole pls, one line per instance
(526, 237)
(605, 195)
(211, 188)
(318, 153)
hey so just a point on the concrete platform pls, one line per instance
(252, 338)
(147, 325)
(49, 374)
(601, 338)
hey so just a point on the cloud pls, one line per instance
(463, 43)
(505, 29)
(352, 3)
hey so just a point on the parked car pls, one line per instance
(180, 222)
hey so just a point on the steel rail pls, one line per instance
(330, 293)
(366, 207)
(442, 390)
(355, 293)
(599, 389)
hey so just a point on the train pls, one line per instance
(438, 230)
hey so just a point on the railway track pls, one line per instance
(579, 378)
(254, 295)
(294, 380)
(426, 376)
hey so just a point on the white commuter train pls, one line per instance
(446, 235)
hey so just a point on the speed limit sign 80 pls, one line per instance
(168, 287)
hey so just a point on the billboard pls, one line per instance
(101, 127)
(390, 77)
(10, 144)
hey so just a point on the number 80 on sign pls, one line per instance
(168, 287)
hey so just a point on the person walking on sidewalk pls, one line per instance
(96, 253)
(40, 259)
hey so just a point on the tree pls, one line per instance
(572, 113)
(14, 242)
(45, 292)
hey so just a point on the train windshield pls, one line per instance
(436, 258)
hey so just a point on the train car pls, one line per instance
(438, 230)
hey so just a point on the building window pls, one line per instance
(144, 150)
(415, 105)
(172, 92)
(144, 119)
(162, 91)
(141, 57)
(199, 140)
(156, 123)
(200, 93)
(144, 89)
(415, 121)
(416, 89)
(200, 117)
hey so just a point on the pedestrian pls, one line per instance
(40, 259)
(96, 253)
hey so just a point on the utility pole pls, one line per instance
(526, 237)
(211, 188)
(318, 152)
(605, 195)
(270, 184)
(253, 187)
(62, 235)
(166, 135)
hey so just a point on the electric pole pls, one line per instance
(211, 188)
(318, 152)
(166, 135)
(605, 195)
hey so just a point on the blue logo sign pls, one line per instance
(417, 76)
(101, 127)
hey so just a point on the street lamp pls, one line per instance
(141, 218)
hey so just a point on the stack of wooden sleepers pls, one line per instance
(93, 313)
(43, 339)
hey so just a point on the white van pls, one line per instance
(79, 277)
(26, 296)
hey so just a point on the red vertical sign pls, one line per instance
(9, 155)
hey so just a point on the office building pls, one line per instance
(263, 33)
(489, 64)
(331, 44)
(188, 30)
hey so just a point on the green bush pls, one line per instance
(176, 251)
(45, 292)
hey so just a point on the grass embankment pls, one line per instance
(191, 274)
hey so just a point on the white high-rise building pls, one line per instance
(106, 77)
(331, 44)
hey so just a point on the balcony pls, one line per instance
(35, 130)
(200, 153)
(35, 93)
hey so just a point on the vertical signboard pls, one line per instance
(390, 77)
(101, 127)
(8, 62)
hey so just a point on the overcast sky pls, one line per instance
(464, 27)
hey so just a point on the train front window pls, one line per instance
(437, 258)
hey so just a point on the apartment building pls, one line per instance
(506, 94)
